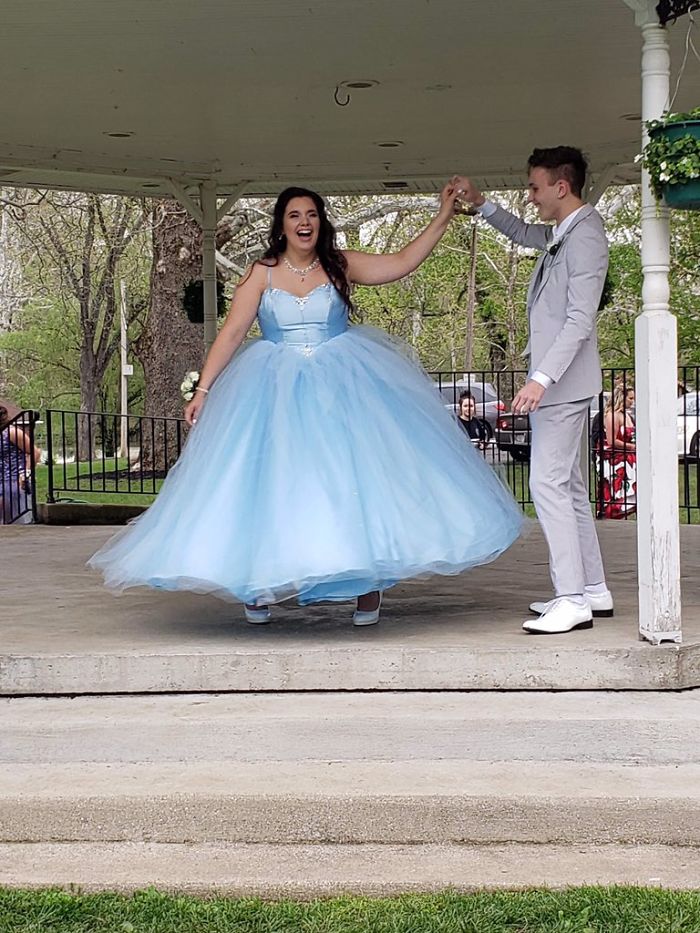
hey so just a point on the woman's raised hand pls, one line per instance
(448, 196)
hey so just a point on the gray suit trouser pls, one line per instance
(561, 497)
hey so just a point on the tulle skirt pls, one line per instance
(319, 476)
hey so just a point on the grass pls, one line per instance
(77, 475)
(576, 910)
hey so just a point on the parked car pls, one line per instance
(488, 405)
(512, 433)
(688, 425)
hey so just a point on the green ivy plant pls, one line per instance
(671, 162)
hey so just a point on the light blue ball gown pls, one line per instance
(323, 465)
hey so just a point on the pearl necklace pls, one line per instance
(302, 272)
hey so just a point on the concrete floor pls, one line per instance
(62, 633)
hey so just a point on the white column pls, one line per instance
(207, 195)
(656, 383)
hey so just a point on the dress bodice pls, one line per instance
(302, 323)
(626, 433)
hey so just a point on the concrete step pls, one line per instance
(400, 802)
(563, 662)
(315, 870)
(443, 633)
(359, 769)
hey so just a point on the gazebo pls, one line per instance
(214, 100)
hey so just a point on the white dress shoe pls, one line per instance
(562, 615)
(257, 616)
(601, 605)
(370, 617)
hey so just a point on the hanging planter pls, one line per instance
(193, 300)
(672, 158)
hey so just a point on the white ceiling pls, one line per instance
(244, 89)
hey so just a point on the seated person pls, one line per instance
(473, 427)
(15, 467)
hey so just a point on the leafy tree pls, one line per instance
(73, 246)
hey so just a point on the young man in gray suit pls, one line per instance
(564, 375)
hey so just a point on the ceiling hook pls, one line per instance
(339, 102)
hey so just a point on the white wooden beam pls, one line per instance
(235, 195)
(191, 206)
(603, 180)
(656, 360)
(53, 160)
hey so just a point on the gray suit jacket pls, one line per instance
(562, 302)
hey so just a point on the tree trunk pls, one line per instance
(10, 273)
(10, 284)
(87, 434)
(471, 301)
(170, 345)
(416, 325)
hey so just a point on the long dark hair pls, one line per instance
(333, 262)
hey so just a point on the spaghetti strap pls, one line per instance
(269, 276)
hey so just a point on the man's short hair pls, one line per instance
(562, 163)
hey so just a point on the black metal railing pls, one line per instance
(612, 459)
(18, 456)
(105, 453)
(688, 440)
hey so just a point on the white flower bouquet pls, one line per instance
(189, 384)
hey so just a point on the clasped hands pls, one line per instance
(466, 191)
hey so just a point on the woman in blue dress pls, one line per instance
(322, 463)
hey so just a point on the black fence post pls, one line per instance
(33, 418)
(49, 454)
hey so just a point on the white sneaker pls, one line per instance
(601, 604)
(562, 615)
